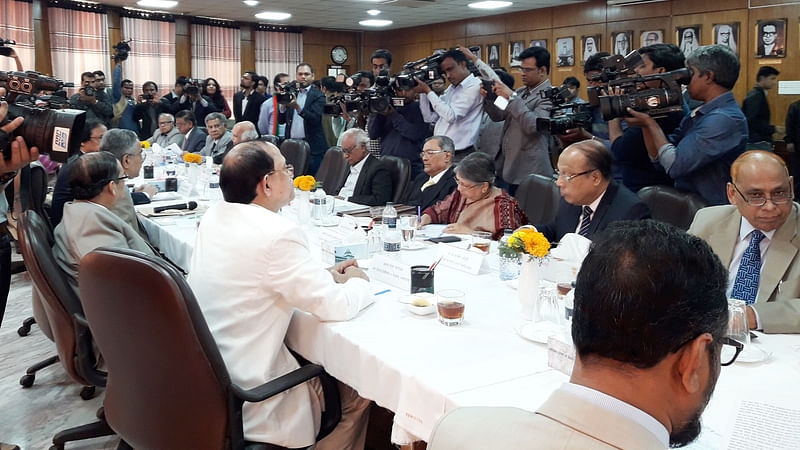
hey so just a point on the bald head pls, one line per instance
(757, 161)
(596, 154)
(243, 132)
(242, 169)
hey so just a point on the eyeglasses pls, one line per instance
(164, 123)
(288, 170)
(569, 178)
(124, 177)
(777, 198)
(730, 351)
(429, 153)
(349, 150)
(527, 69)
(466, 186)
(769, 32)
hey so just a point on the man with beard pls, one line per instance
(644, 370)
(247, 102)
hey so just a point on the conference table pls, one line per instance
(421, 369)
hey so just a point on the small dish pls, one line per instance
(421, 303)
(537, 332)
(413, 245)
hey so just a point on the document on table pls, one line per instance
(768, 421)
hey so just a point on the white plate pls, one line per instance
(414, 245)
(538, 331)
(408, 299)
(752, 354)
(422, 310)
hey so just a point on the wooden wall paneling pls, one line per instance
(247, 48)
(535, 19)
(114, 29)
(485, 25)
(579, 14)
(558, 74)
(632, 12)
(640, 25)
(41, 38)
(183, 41)
(448, 31)
(317, 45)
(680, 7)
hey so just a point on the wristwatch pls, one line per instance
(512, 96)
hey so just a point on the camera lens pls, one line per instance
(53, 131)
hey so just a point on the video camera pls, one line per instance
(192, 86)
(563, 116)
(52, 130)
(121, 50)
(377, 99)
(286, 92)
(5, 50)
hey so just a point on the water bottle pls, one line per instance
(392, 239)
(320, 208)
(171, 169)
(390, 217)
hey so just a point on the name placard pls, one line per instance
(185, 188)
(391, 271)
(461, 259)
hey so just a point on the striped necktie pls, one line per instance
(586, 220)
(428, 184)
(746, 285)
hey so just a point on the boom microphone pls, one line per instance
(190, 206)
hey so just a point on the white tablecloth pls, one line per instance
(421, 369)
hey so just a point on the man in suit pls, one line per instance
(756, 109)
(648, 345)
(194, 138)
(218, 136)
(369, 182)
(247, 102)
(757, 237)
(768, 41)
(98, 184)
(148, 109)
(241, 132)
(590, 199)
(167, 133)
(438, 179)
(524, 150)
(303, 116)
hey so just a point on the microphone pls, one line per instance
(189, 206)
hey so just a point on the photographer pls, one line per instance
(402, 131)
(268, 114)
(698, 156)
(332, 124)
(457, 113)
(303, 116)
(192, 100)
(592, 68)
(95, 103)
(176, 93)
(381, 60)
(124, 104)
(524, 150)
(147, 110)
(628, 147)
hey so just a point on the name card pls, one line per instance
(560, 354)
(461, 259)
(391, 271)
(185, 188)
(344, 252)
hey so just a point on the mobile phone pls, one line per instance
(445, 239)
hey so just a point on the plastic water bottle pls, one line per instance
(320, 208)
(390, 217)
(392, 239)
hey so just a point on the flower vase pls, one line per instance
(303, 206)
(193, 174)
(528, 289)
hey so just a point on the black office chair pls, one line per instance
(297, 153)
(169, 387)
(539, 197)
(671, 206)
(333, 171)
(274, 140)
(400, 169)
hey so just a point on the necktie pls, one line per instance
(213, 147)
(586, 220)
(746, 285)
(428, 184)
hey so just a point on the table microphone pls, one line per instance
(189, 206)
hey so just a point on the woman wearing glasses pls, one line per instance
(477, 204)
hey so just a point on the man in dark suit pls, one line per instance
(192, 100)
(303, 116)
(590, 200)
(756, 109)
(195, 138)
(438, 179)
(247, 102)
(369, 182)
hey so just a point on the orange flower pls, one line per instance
(530, 241)
(145, 144)
(193, 158)
(305, 182)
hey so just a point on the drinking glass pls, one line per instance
(547, 309)
(737, 321)
(563, 293)
(450, 307)
(408, 226)
(376, 213)
(482, 240)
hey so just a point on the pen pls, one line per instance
(382, 292)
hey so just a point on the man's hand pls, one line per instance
(502, 90)
(424, 220)
(86, 98)
(148, 189)
(342, 266)
(465, 50)
(346, 270)
(574, 135)
(20, 154)
(639, 119)
(752, 323)
(421, 88)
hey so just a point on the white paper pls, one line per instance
(501, 102)
(765, 422)
(460, 259)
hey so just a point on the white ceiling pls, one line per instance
(345, 14)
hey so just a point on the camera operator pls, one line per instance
(176, 93)
(303, 116)
(402, 131)
(490, 136)
(628, 147)
(457, 113)
(698, 156)
(124, 103)
(524, 150)
(592, 68)
(381, 60)
(192, 100)
(267, 117)
(95, 103)
(332, 124)
(100, 83)
(364, 80)
(147, 110)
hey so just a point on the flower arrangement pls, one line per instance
(305, 183)
(529, 241)
(145, 144)
(193, 158)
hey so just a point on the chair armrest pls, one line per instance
(278, 385)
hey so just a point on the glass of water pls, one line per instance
(408, 227)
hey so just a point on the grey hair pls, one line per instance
(361, 136)
(718, 59)
(250, 133)
(168, 115)
(120, 142)
(477, 167)
(445, 144)
(216, 116)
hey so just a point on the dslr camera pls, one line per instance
(121, 50)
(286, 92)
(5, 50)
(192, 86)
(53, 130)
(563, 116)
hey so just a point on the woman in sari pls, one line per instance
(477, 204)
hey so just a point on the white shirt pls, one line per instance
(244, 103)
(457, 113)
(621, 408)
(247, 286)
(592, 205)
(350, 184)
(745, 234)
(298, 123)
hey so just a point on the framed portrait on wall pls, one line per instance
(539, 43)
(621, 42)
(590, 45)
(493, 55)
(688, 38)
(727, 34)
(565, 51)
(651, 37)
(475, 50)
(514, 49)
(771, 38)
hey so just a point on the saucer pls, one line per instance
(537, 331)
(413, 245)
(752, 354)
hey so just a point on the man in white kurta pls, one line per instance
(250, 269)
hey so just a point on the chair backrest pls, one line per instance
(539, 197)
(333, 170)
(274, 140)
(671, 206)
(38, 190)
(400, 169)
(57, 298)
(167, 383)
(297, 153)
